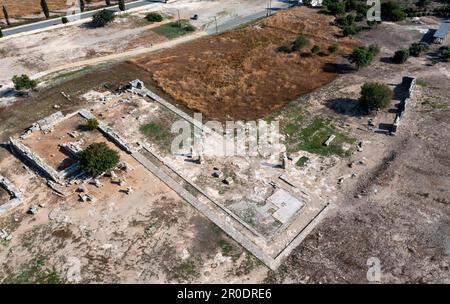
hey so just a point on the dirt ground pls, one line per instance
(395, 209)
(402, 217)
(27, 8)
(241, 74)
(38, 52)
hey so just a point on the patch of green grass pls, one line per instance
(302, 161)
(174, 29)
(312, 137)
(185, 270)
(34, 272)
(247, 265)
(435, 105)
(225, 247)
(158, 134)
(422, 83)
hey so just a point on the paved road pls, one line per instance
(56, 21)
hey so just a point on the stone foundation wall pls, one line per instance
(410, 83)
(23, 152)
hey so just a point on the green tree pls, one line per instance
(108, 2)
(122, 5)
(400, 56)
(5, 14)
(82, 5)
(1, 33)
(444, 52)
(334, 7)
(392, 11)
(417, 48)
(103, 17)
(300, 43)
(44, 7)
(92, 124)
(23, 82)
(361, 57)
(375, 96)
(98, 158)
(64, 20)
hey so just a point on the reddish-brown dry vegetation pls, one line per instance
(242, 74)
(18, 8)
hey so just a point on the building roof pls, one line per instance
(443, 30)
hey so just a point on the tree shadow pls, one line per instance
(338, 68)
(346, 106)
(387, 60)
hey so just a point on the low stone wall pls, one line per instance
(13, 192)
(45, 124)
(108, 132)
(25, 153)
(409, 82)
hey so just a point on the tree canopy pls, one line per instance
(98, 158)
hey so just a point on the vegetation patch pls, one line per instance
(34, 272)
(174, 29)
(158, 134)
(302, 161)
(311, 138)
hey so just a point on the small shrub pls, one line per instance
(92, 124)
(418, 48)
(103, 17)
(400, 56)
(361, 57)
(64, 20)
(315, 49)
(300, 43)
(153, 17)
(23, 82)
(333, 48)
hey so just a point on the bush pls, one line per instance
(349, 31)
(444, 52)
(315, 49)
(417, 48)
(334, 7)
(400, 56)
(92, 124)
(333, 48)
(153, 17)
(392, 11)
(103, 17)
(64, 20)
(361, 57)
(300, 43)
(375, 96)
(23, 82)
(98, 158)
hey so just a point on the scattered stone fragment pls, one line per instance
(218, 174)
(86, 197)
(228, 181)
(32, 210)
(96, 183)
